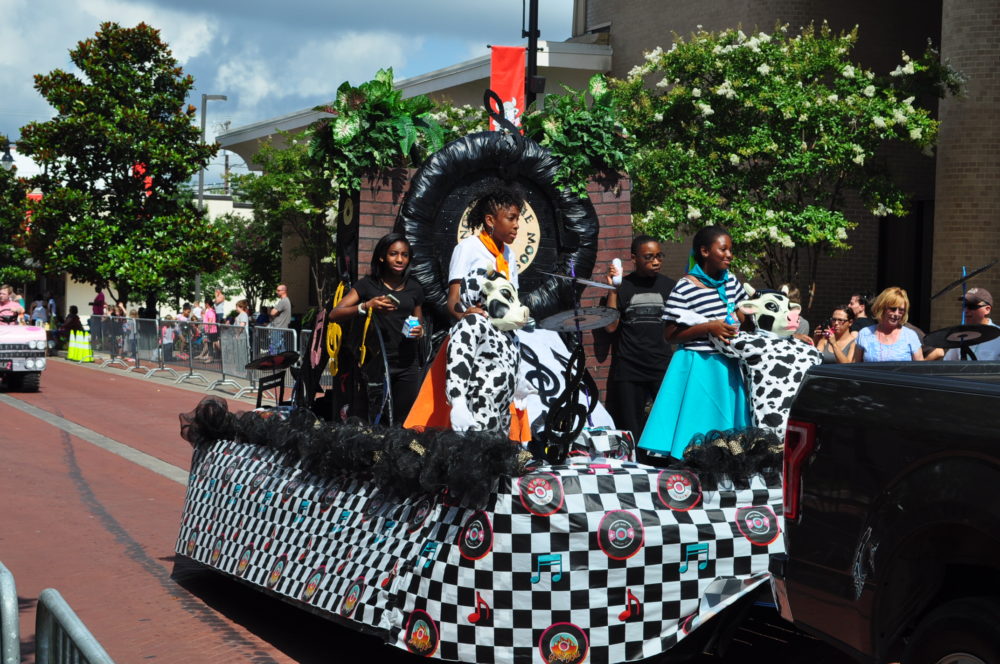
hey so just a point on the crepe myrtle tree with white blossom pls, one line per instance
(765, 134)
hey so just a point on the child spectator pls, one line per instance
(167, 333)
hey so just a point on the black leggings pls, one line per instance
(626, 403)
(404, 384)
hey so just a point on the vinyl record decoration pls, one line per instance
(620, 535)
(541, 493)
(563, 643)
(679, 490)
(476, 539)
(422, 636)
(758, 524)
(352, 597)
(556, 226)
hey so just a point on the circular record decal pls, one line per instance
(216, 550)
(276, 571)
(477, 536)
(353, 596)
(419, 513)
(312, 585)
(290, 488)
(541, 493)
(563, 643)
(679, 490)
(257, 480)
(758, 524)
(421, 634)
(620, 535)
(244, 562)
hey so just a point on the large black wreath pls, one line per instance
(452, 178)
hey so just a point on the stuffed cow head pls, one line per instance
(497, 296)
(774, 312)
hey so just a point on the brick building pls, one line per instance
(954, 218)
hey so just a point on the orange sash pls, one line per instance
(491, 246)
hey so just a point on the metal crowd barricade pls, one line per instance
(10, 629)
(158, 341)
(193, 339)
(110, 339)
(267, 341)
(60, 635)
(230, 354)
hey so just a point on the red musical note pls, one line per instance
(482, 610)
(594, 467)
(629, 611)
(387, 581)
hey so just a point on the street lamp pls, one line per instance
(201, 177)
(7, 161)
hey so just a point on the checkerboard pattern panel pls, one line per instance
(604, 560)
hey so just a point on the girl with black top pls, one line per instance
(388, 295)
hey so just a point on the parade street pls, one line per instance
(94, 476)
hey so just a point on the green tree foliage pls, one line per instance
(292, 193)
(374, 129)
(254, 249)
(14, 258)
(586, 137)
(123, 118)
(766, 134)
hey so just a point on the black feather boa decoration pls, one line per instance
(402, 461)
(737, 454)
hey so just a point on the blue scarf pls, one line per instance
(720, 286)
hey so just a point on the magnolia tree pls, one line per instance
(765, 134)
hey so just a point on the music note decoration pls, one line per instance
(696, 549)
(633, 607)
(554, 563)
(483, 613)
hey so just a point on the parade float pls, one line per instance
(466, 546)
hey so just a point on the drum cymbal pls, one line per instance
(585, 282)
(585, 318)
(276, 362)
(961, 335)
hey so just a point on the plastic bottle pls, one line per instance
(617, 279)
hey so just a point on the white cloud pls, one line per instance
(315, 70)
(188, 34)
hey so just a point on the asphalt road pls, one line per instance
(93, 474)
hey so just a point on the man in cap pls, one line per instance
(978, 304)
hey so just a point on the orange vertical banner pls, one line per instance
(507, 80)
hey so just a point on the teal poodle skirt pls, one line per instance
(701, 392)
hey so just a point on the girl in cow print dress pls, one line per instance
(702, 390)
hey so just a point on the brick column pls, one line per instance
(967, 205)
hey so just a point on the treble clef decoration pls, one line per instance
(515, 141)
(540, 376)
(567, 416)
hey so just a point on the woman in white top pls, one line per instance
(497, 214)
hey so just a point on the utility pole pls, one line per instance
(533, 83)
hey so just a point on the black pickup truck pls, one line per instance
(892, 511)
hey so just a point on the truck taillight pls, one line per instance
(800, 440)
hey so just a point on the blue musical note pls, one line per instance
(342, 519)
(389, 525)
(303, 508)
(551, 560)
(429, 550)
(697, 550)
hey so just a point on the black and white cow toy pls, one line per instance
(773, 363)
(483, 355)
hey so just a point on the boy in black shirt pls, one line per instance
(639, 352)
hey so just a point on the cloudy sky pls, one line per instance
(269, 58)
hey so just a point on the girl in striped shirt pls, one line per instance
(702, 389)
